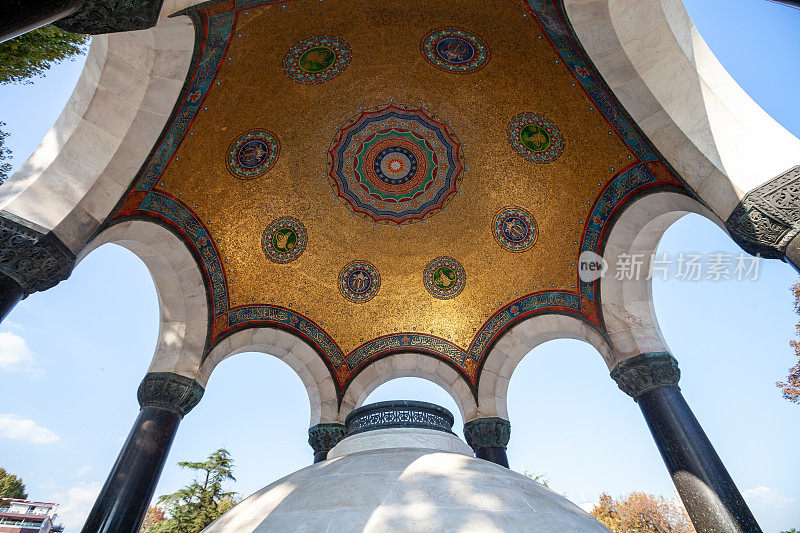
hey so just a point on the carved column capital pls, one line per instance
(490, 432)
(107, 16)
(768, 217)
(323, 437)
(36, 261)
(645, 372)
(167, 390)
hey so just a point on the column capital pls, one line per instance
(323, 437)
(35, 260)
(645, 372)
(489, 432)
(170, 391)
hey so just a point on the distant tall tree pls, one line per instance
(195, 506)
(11, 486)
(642, 513)
(791, 387)
(31, 54)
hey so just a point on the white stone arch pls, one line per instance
(404, 365)
(183, 305)
(655, 61)
(518, 342)
(292, 350)
(124, 97)
(627, 305)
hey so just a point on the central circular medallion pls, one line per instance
(317, 59)
(395, 164)
(454, 50)
(359, 281)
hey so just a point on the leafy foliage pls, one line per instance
(11, 486)
(642, 513)
(5, 153)
(195, 506)
(538, 478)
(31, 54)
(155, 515)
(791, 387)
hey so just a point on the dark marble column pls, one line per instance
(10, 294)
(164, 398)
(489, 437)
(323, 437)
(707, 490)
(20, 16)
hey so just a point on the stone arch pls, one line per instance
(182, 299)
(293, 351)
(658, 66)
(627, 304)
(117, 111)
(518, 342)
(403, 365)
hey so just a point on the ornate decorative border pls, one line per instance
(277, 256)
(555, 147)
(505, 242)
(295, 71)
(458, 283)
(374, 280)
(428, 44)
(232, 159)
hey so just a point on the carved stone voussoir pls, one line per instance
(171, 391)
(490, 432)
(768, 217)
(108, 16)
(323, 437)
(35, 260)
(645, 372)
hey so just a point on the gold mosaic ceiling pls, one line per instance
(249, 89)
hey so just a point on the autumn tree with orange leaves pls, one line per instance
(642, 513)
(791, 387)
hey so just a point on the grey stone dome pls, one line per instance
(405, 480)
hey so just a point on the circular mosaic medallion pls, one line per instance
(535, 138)
(284, 240)
(454, 50)
(444, 278)
(359, 281)
(253, 154)
(395, 164)
(317, 59)
(515, 229)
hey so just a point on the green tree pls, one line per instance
(196, 505)
(642, 513)
(31, 54)
(11, 486)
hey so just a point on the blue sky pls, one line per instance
(71, 358)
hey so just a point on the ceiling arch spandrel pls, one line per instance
(374, 140)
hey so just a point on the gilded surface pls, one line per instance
(524, 74)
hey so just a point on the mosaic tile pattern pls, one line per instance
(317, 59)
(284, 240)
(238, 84)
(454, 50)
(444, 278)
(359, 281)
(515, 229)
(535, 138)
(253, 154)
(395, 164)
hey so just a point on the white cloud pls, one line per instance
(16, 427)
(16, 355)
(76, 504)
(767, 497)
(83, 471)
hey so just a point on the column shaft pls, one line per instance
(10, 295)
(20, 16)
(123, 501)
(707, 490)
(495, 454)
